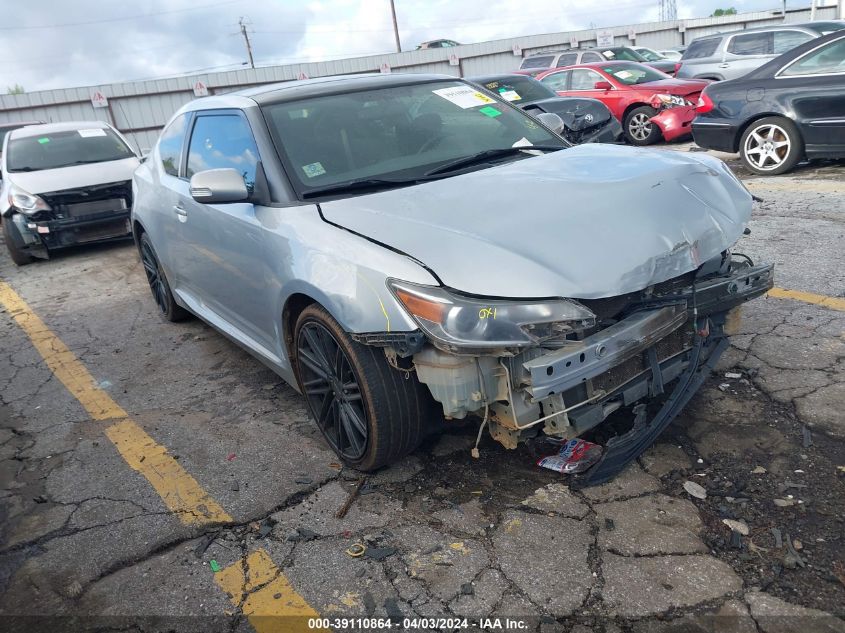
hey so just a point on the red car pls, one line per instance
(648, 103)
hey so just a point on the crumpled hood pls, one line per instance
(574, 111)
(682, 87)
(586, 222)
(49, 180)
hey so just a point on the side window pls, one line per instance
(588, 57)
(751, 44)
(223, 140)
(787, 40)
(583, 79)
(557, 81)
(567, 59)
(170, 145)
(829, 59)
(699, 49)
(537, 62)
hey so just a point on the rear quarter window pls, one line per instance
(751, 44)
(701, 48)
(544, 61)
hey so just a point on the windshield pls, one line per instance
(625, 54)
(634, 74)
(518, 89)
(397, 133)
(63, 149)
(650, 56)
(825, 28)
(4, 131)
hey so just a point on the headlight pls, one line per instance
(456, 322)
(668, 101)
(25, 202)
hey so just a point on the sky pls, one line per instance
(63, 43)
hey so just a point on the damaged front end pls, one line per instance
(675, 115)
(561, 367)
(57, 219)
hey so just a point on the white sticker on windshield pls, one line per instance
(624, 74)
(313, 170)
(509, 95)
(96, 131)
(464, 96)
(524, 142)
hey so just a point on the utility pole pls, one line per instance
(242, 24)
(396, 26)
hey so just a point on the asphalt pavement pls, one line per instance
(155, 476)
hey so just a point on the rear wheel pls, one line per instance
(18, 256)
(771, 146)
(170, 310)
(639, 130)
(370, 413)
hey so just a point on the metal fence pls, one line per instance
(140, 108)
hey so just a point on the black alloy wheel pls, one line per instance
(331, 387)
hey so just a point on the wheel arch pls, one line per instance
(631, 107)
(756, 117)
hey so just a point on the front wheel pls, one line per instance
(370, 413)
(18, 256)
(771, 146)
(639, 130)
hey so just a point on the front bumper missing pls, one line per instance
(38, 237)
(706, 306)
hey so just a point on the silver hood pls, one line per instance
(587, 222)
(48, 180)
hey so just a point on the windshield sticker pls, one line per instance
(43, 140)
(509, 95)
(92, 132)
(624, 74)
(609, 54)
(313, 170)
(490, 111)
(464, 97)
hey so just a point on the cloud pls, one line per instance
(178, 36)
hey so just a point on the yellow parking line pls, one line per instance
(180, 492)
(273, 608)
(834, 303)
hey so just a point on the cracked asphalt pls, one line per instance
(85, 534)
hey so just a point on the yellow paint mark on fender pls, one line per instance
(834, 303)
(180, 492)
(267, 614)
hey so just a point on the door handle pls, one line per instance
(180, 212)
(725, 65)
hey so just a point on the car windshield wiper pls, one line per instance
(358, 185)
(24, 168)
(489, 154)
(88, 161)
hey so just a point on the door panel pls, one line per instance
(223, 243)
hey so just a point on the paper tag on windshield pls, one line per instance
(97, 131)
(509, 95)
(524, 142)
(464, 96)
(624, 74)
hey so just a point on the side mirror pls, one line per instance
(218, 185)
(551, 120)
(603, 85)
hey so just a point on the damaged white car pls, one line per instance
(64, 184)
(402, 248)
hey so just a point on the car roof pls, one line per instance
(49, 128)
(758, 29)
(556, 51)
(479, 79)
(595, 65)
(307, 88)
(17, 124)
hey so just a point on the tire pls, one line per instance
(18, 256)
(638, 129)
(370, 413)
(771, 146)
(170, 310)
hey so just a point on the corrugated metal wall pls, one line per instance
(141, 108)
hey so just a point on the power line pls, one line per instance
(242, 24)
(128, 17)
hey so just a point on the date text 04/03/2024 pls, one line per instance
(410, 624)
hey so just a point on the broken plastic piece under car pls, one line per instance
(575, 456)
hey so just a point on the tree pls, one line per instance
(17, 89)
(718, 13)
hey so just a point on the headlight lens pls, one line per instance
(455, 322)
(25, 202)
(668, 101)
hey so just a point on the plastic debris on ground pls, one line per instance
(695, 490)
(215, 566)
(575, 456)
